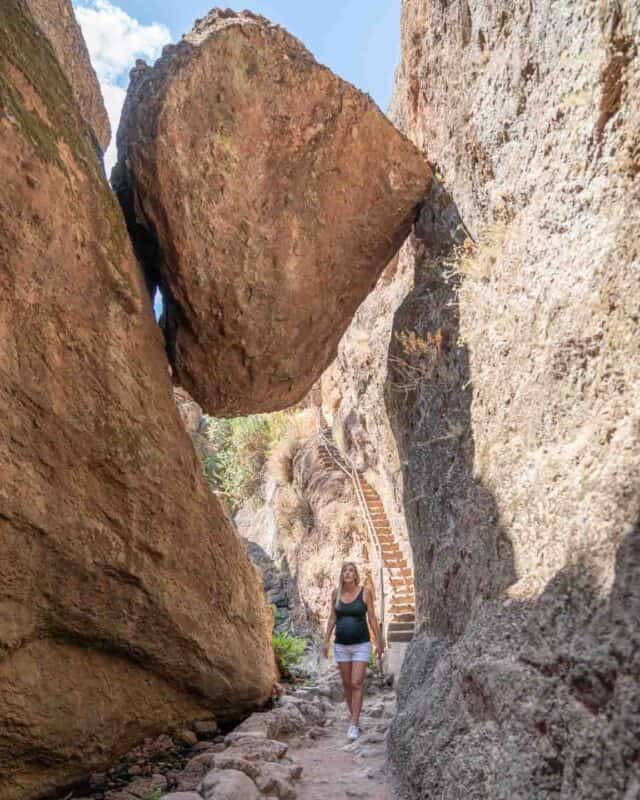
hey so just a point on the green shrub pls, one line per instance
(288, 651)
(242, 447)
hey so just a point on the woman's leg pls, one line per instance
(345, 674)
(358, 672)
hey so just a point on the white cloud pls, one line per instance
(114, 97)
(115, 40)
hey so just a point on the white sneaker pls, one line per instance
(353, 732)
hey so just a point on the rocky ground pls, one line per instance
(297, 749)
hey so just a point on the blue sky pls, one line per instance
(357, 39)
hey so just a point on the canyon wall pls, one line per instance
(511, 387)
(512, 390)
(57, 22)
(127, 603)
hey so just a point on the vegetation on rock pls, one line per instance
(288, 651)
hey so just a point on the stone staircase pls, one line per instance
(400, 627)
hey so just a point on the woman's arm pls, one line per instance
(331, 624)
(373, 622)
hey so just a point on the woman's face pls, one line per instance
(349, 574)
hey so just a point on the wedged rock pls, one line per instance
(56, 20)
(266, 195)
(118, 618)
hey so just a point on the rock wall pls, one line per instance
(352, 394)
(127, 604)
(58, 23)
(512, 391)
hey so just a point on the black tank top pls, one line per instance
(351, 621)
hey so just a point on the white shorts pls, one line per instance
(352, 652)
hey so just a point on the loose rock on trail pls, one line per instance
(298, 750)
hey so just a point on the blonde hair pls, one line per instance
(338, 591)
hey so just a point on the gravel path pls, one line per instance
(335, 768)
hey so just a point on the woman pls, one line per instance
(351, 607)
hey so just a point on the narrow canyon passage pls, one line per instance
(406, 340)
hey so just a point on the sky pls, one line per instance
(358, 39)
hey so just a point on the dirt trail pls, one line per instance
(335, 768)
(296, 750)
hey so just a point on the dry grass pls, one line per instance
(420, 356)
(300, 428)
(477, 259)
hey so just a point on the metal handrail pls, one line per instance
(354, 475)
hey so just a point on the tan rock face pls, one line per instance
(127, 604)
(56, 20)
(516, 414)
(277, 193)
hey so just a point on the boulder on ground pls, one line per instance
(276, 779)
(228, 784)
(266, 196)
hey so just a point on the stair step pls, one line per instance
(404, 617)
(401, 587)
(401, 626)
(403, 636)
(402, 608)
(403, 571)
(394, 563)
